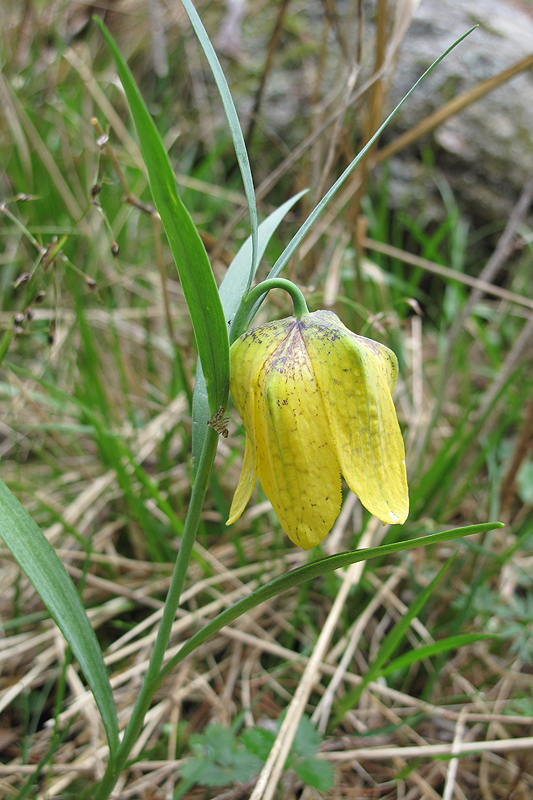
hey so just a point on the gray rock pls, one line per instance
(486, 151)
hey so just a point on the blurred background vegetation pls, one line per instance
(428, 248)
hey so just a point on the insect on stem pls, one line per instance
(218, 422)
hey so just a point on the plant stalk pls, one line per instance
(298, 300)
(151, 680)
(250, 305)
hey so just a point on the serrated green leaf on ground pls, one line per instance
(219, 759)
(316, 773)
(307, 740)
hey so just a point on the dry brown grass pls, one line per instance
(460, 733)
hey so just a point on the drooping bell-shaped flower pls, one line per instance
(315, 400)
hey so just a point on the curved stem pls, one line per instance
(298, 300)
(151, 682)
(250, 305)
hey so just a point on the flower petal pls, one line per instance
(355, 377)
(248, 354)
(296, 461)
(246, 484)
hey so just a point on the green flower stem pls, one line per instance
(298, 300)
(151, 680)
(250, 304)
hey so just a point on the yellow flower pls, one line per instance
(315, 400)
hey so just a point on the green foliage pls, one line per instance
(39, 561)
(512, 620)
(196, 276)
(524, 480)
(233, 289)
(315, 773)
(220, 757)
(314, 570)
(93, 367)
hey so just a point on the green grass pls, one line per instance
(96, 438)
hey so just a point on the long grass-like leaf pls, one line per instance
(397, 635)
(233, 288)
(313, 216)
(390, 643)
(39, 561)
(235, 128)
(236, 283)
(435, 483)
(434, 649)
(116, 453)
(196, 276)
(299, 576)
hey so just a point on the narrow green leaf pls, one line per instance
(389, 645)
(235, 128)
(233, 288)
(39, 561)
(237, 280)
(117, 451)
(397, 634)
(5, 342)
(433, 649)
(196, 276)
(310, 571)
(306, 227)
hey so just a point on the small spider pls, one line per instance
(218, 422)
